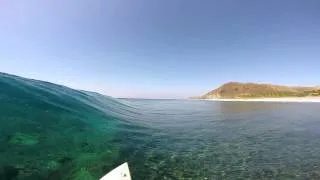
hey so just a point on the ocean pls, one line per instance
(50, 132)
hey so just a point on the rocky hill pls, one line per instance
(254, 90)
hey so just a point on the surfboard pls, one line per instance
(120, 173)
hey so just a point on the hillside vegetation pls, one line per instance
(253, 90)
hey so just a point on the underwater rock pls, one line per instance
(23, 139)
(53, 165)
(35, 176)
(8, 172)
(313, 175)
(69, 172)
(64, 160)
(83, 174)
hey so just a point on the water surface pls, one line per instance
(224, 140)
(54, 132)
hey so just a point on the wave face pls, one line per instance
(53, 132)
(50, 131)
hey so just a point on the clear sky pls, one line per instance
(161, 48)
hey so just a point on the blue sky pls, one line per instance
(161, 48)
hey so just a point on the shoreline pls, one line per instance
(288, 99)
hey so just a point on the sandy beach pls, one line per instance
(289, 99)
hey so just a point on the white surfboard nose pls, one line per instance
(120, 173)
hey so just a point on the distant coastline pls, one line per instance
(285, 99)
(237, 91)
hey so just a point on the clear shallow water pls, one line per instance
(53, 132)
(225, 140)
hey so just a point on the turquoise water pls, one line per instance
(53, 132)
